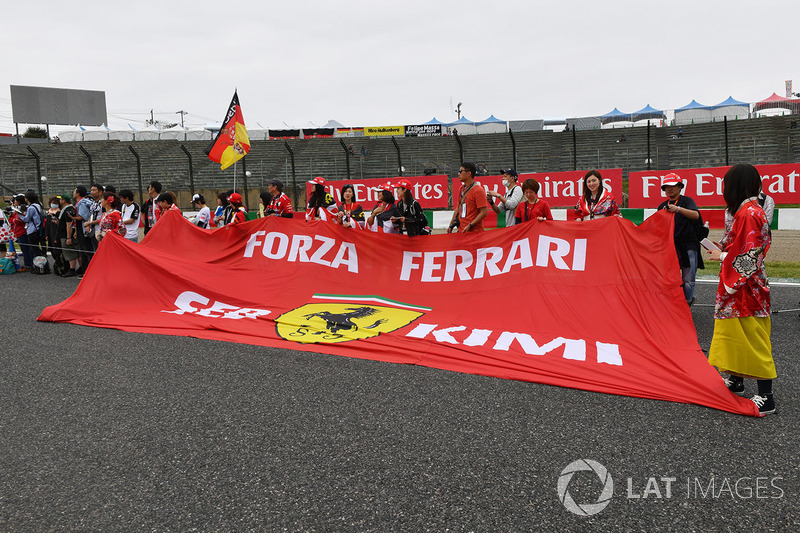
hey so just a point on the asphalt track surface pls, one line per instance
(103, 430)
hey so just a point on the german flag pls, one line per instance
(231, 143)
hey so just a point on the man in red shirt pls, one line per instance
(280, 206)
(472, 206)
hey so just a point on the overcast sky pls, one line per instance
(298, 63)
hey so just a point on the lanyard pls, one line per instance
(533, 206)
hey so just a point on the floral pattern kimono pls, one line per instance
(605, 206)
(112, 221)
(743, 289)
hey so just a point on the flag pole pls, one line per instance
(234, 155)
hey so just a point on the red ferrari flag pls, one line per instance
(231, 143)
(563, 303)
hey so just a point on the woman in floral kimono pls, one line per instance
(741, 344)
(596, 201)
(112, 218)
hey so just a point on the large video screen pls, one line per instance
(47, 105)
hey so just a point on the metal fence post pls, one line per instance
(191, 169)
(38, 172)
(346, 156)
(138, 174)
(513, 147)
(399, 162)
(294, 172)
(726, 140)
(89, 157)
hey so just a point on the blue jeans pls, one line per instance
(688, 274)
(30, 248)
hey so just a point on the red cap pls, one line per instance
(235, 198)
(671, 179)
(319, 180)
(404, 183)
(386, 187)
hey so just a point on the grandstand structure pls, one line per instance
(183, 167)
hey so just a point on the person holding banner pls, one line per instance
(321, 205)
(150, 209)
(596, 201)
(238, 211)
(222, 208)
(166, 202)
(510, 201)
(410, 216)
(533, 208)
(472, 205)
(741, 345)
(351, 214)
(264, 199)
(280, 206)
(687, 221)
(203, 217)
(380, 219)
(111, 219)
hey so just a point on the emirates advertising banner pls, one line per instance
(704, 185)
(560, 189)
(430, 191)
(575, 319)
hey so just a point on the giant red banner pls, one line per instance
(430, 191)
(704, 185)
(594, 306)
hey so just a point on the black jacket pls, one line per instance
(414, 215)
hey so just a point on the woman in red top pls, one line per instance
(16, 227)
(239, 211)
(351, 214)
(17, 224)
(596, 201)
(112, 218)
(533, 208)
(741, 344)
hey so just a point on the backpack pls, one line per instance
(40, 265)
(7, 266)
(41, 232)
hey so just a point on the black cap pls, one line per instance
(509, 171)
(276, 182)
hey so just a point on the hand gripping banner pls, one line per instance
(595, 306)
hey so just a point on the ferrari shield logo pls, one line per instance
(331, 322)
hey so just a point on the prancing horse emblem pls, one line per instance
(334, 322)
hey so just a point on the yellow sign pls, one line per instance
(384, 131)
(341, 322)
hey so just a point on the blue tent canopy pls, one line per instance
(693, 105)
(434, 121)
(491, 120)
(462, 120)
(648, 112)
(615, 115)
(731, 102)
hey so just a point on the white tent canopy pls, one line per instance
(150, 133)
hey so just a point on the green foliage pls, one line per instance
(775, 269)
(35, 132)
